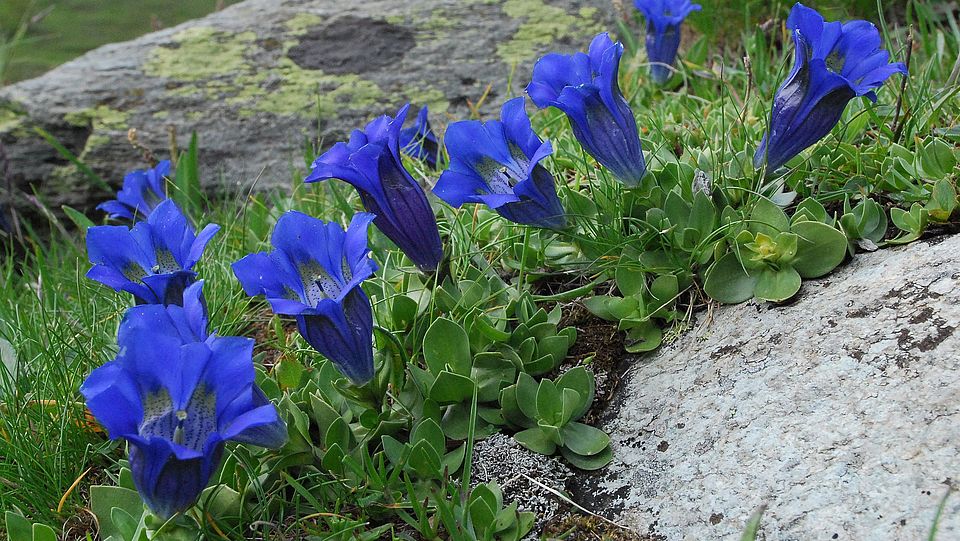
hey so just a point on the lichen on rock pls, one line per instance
(543, 24)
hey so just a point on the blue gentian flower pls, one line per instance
(153, 260)
(314, 273)
(663, 32)
(585, 87)
(188, 321)
(141, 192)
(177, 401)
(834, 63)
(419, 141)
(370, 161)
(498, 163)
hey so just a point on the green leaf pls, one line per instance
(450, 388)
(394, 449)
(487, 328)
(338, 433)
(664, 289)
(536, 440)
(425, 461)
(404, 311)
(446, 343)
(943, 201)
(187, 178)
(811, 209)
(703, 214)
(78, 218)
(581, 380)
(728, 282)
(752, 528)
(645, 336)
(611, 308)
(571, 404)
(104, 498)
(584, 439)
(123, 521)
(289, 372)
(937, 159)
(768, 218)
(590, 462)
(527, 391)
(222, 501)
(42, 532)
(18, 527)
(511, 409)
(549, 402)
(482, 514)
(429, 431)
(778, 285)
(820, 248)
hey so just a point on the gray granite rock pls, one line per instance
(260, 78)
(840, 412)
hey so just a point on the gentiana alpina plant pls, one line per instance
(153, 260)
(584, 86)
(314, 273)
(419, 140)
(664, 18)
(370, 162)
(834, 63)
(177, 401)
(497, 163)
(142, 191)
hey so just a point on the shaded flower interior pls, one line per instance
(189, 426)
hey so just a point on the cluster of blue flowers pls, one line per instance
(176, 393)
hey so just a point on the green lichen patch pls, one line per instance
(200, 53)
(433, 98)
(10, 120)
(98, 118)
(216, 65)
(301, 23)
(542, 25)
(291, 90)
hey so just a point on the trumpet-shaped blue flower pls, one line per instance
(370, 161)
(498, 163)
(153, 260)
(419, 141)
(585, 87)
(188, 321)
(663, 32)
(314, 273)
(141, 192)
(177, 401)
(834, 63)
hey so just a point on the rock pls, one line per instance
(259, 79)
(840, 411)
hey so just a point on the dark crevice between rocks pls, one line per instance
(352, 44)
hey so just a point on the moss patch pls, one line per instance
(200, 53)
(542, 25)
